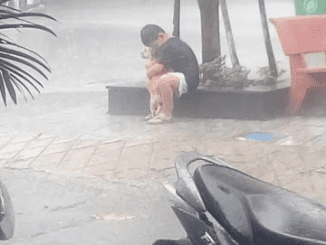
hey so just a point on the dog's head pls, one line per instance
(146, 53)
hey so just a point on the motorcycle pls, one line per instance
(217, 204)
(7, 218)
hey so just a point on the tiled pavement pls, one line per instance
(127, 149)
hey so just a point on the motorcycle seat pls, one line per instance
(256, 212)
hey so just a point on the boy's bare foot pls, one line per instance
(150, 116)
(159, 119)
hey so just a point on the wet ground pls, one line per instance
(56, 204)
(53, 209)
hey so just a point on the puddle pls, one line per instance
(258, 136)
(114, 217)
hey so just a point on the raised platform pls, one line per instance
(232, 104)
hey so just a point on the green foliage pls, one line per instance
(18, 64)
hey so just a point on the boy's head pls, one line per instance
(150, 34)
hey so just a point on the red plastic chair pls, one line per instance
(304, 40)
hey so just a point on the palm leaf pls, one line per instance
(16, 13)
(21, 14)
(23, 84)
(10, 87)
(22, 61)
(14, 53)
(33, 26)
(6, 42)
(14, 59)
(19, 71)
(17, 83)
(20, 81)
(3, 90)
(21, 76)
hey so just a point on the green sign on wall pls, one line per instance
(309, 7)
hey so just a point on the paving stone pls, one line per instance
(161, 175)
(250, 150)
(108, 153)
(319, 140)
(315, 158)
(199, 145)
(4, 140)
(131, 174)
(299, 132)
(135, 142)
(135, 157)
(110, 176)
(100, 170)
(110, 141)
(319, 186)
(25, 137)
(29, 153)
(77, 159)
(301, 183)
(104, 154)
(7, 132)
(86, 143)
(259, 168)
(223, 149)
(163, 155)
(184, 145)
(13, 147)
(285, 141)
(40, 143)
(20, 164)
(7, 156)
(46, 136)
(286, 160)
(56, 147)
(48, 161)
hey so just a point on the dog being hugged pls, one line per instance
(155, 98)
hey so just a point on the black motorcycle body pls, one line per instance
(7, 217)
(217, 204)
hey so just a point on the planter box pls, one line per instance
(250, 105)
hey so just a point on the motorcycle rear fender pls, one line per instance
(182, 208)
(198, 231)
(177, 201)
(185, 186)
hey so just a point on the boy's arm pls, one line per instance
(154, 68)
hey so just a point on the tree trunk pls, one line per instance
(176, 19)
(229, 35)
(210, 31)
(268, 44)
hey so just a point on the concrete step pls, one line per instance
(237, 104)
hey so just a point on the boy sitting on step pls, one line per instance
(178, 64)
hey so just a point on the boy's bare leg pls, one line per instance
(166, 87)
